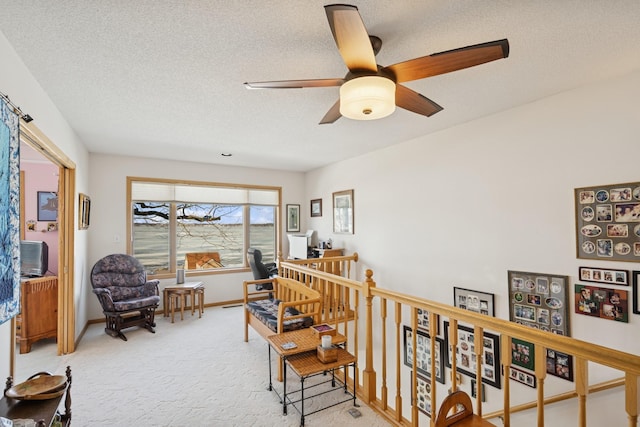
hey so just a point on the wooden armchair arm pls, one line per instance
(263, 293)
(314, 313)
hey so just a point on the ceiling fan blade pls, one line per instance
(413, 101)
(351, 37)
(332, 115)
(294, 84)
(451, 60)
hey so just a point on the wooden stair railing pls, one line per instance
(385, 313)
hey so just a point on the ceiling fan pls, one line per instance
(370, 91)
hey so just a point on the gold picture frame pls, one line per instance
(343, 212)
(84, 211)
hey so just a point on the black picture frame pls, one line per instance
(423, 394)
(423, 343)
(608, 276)
(47, 206)
(465, 363)
(635, 276)
(522, 377)
(293, 218)
(474, 383)
(316, 208)
(472, 300)
(423, 321)
(560, 365)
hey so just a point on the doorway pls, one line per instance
(53, 173)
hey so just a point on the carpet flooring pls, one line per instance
(195, 372)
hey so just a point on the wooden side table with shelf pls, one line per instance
(44, 411)
(307, 365)
(305, 340)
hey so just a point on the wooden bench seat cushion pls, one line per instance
(266, 310)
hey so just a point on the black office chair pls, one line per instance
(259, 269)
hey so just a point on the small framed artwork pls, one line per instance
(608, 222)
(316, 207)
(47, 206)
(604, 275)
(560, 365)
(474, 387)
(466, 354)
(343, 212)
(476, 301)
(423, 321)
(423, 394)
(523, 377)
(540, 301)
(84, 212)
(636, 283)
(522, 354)
(423, 353)
(293, 217)
(606, 303)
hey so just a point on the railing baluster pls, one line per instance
(582, 389)
(632, 398)
(478, 344)
(398, 364)
(383, 319)
(541, 374)
(505, 355)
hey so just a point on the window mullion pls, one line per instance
(173, 243)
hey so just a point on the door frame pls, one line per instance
(31, 135)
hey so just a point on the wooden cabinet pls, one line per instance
(38, 318)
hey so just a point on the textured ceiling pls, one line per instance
(164, 79)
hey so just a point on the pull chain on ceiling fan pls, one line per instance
(370, 91)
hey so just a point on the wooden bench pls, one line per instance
(461, 418)
(289, 305)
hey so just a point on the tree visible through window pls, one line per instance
(164, 232)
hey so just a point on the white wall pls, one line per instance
(17, 82)
(463, 206)
(460, 207)
(109, 219)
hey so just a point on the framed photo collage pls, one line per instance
(608, 222)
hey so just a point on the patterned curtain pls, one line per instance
(9, 212)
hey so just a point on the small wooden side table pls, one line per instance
(175, 294)
(305, 340)
(306, 365)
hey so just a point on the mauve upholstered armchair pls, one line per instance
(127, 298)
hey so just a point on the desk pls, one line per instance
(307, 365)
(42, 411)
(305, 340)
(326, 253)
(177, 293)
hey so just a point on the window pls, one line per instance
(200, 226)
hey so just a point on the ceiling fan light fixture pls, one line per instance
(367, 98)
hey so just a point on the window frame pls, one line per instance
(173, 222)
